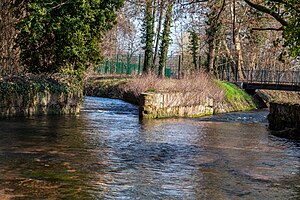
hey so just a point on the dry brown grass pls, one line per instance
(197, 82)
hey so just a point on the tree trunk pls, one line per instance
(9, 57)
(211, 54)
(165, 39)
(161, 12)
(229, 55)
(148, 37)
(237, 43)
(238, 48)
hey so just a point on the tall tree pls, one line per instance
(160, 19)
(165, 39)
(148, 34)
(214, 25)
(9, 55)
(194, 46)
(287, 13)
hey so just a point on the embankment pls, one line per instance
(284, 117)
(161, 104)
(32, 95)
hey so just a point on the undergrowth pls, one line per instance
(198, 82)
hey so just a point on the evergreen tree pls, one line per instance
(148, 34)
(56, 34)
(165, 39)
(194, 46)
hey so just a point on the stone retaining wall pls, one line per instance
(41, 103)
(39, 97)
(164, 104)
(284, 116)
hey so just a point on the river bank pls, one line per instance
(284, 116)
(216, 97)
(30, 95)
(108, 153)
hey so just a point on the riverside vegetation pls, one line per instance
(192, 96)
(46, 50)
(40, 94)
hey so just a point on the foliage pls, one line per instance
(292, 30)
(30, 85)
(109, 88)
(233, 93)
(165, 39)
(194, 46)
(291, 23)
(57, 34)
(287, 13)
(148, 35)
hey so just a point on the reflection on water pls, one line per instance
(107, 153)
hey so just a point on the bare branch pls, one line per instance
(267, 11)
(268, 29)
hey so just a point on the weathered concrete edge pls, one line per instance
(165, 105)
(285, 118)
(35, 102)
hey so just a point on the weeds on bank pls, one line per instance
(197, 82)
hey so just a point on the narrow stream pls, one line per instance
(107, 153)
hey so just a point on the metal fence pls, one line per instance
(133, 65)
(272, 77)
(261, 76)
(125, 65)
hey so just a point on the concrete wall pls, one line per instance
(284, 116)
(164, 104)
(40, 103)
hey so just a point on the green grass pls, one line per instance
(236, 95)
(233, 92)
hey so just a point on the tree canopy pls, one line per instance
(287, 13)
(57, 34)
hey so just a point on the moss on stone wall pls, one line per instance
(36, 95)
(284, 115)
(158, 104)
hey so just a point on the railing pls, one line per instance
(262, 76)
(133, 65)
(272, 77)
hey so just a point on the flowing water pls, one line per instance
(107, 153)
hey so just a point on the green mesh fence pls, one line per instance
(125, 65)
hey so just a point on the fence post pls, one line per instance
(117, 65)
(106, 67)
(122, 66)
(139, 70)
(179, 66)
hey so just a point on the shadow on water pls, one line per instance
(107, 153)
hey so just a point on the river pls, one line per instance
(108, 153)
